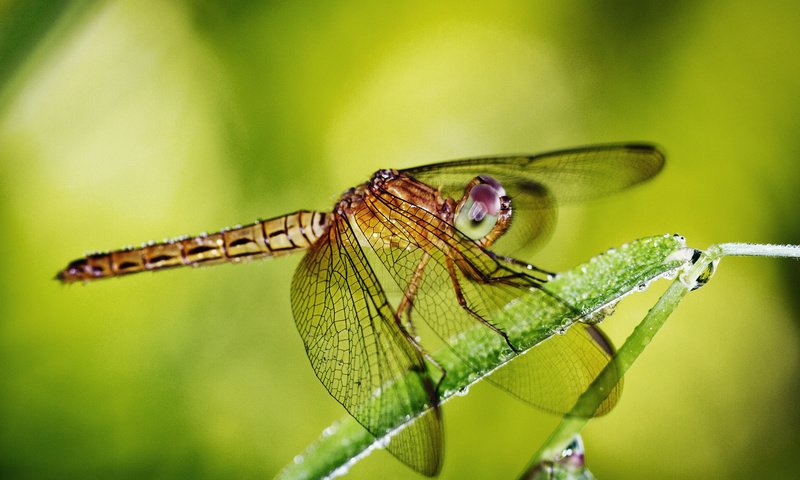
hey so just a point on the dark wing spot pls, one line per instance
(601, 340)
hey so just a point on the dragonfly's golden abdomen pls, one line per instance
(268, 238)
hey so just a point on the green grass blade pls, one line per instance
(692, 278)
(588, 288)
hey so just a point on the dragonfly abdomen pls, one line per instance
(267, 238)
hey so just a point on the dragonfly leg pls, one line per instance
(462, 301)
(438, 366)
(407, 327)
(407, 302)
(520, 263)
(500, 274)
(513, 279)
(427, 356)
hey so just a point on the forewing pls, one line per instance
(359, 353)
(536, 183)
(571, 175)
(553, 374)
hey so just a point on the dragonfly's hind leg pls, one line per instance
(407, 326)
(407, 302)
(427, 356)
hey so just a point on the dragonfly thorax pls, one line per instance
(410, 192)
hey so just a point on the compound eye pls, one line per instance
(492, 182)
(480, 212)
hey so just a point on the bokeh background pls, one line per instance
(129, 121)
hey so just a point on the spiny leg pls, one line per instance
(515, 279)
(405, 307)
(462, 301)
(520, 263)
(407, 302)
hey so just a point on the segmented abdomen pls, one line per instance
(268, 238)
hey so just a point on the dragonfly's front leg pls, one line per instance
(502, 273)
(519, 263)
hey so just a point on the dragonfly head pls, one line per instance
(484, 212)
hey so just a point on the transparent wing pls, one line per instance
(451, 283)
(557, 371)
(358, 351)
(552, 374)
(536, 183)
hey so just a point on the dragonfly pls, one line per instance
(431, 245)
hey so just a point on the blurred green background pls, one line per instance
(123, 122)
